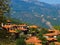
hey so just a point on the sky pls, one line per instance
(51, 1)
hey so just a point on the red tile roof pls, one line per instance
(50, 39)
(7, 26)
(22, 25)
(33, 40)
(33, 26)
(21, 29)
(57, 43)
(12, 31)
(50, 34)
(38, 44)
(54, 33)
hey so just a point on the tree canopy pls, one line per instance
(4, 9)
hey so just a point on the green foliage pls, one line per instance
(44, 31)
(20, 41)
(58, 38)
(4, 34)
(43, 39)
(57, 27)
(15, 21)
(32, 30)
(52, 43)
(4, 10)
(2, 19)
(40, 35)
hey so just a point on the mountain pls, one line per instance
(57, 5)
(34, 12)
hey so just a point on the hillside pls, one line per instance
(31, 11)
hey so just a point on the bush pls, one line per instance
(52, 43)
(20, 41)
(58, 38)
(57, 27)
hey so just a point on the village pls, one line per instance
(23, 22)
(32, 34)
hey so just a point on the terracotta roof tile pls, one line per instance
(50, 34)
(22, 25)
(33, 40)
(7, 26)
(38, 44)
(33, 26)
(22, 29)
(57, 43)
(12, 31)
(50, 39)
(56, 32)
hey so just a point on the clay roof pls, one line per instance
(50, 34)
(22, 29)
(12, 31)
(56, 32)
(50, 39)
(22, 25)
(33, 26)
(7, 26)
(33, 40)
(57, 43)
(38, 44)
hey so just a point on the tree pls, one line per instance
(40, 35)
(58, 38)
(4, 9)
(20, 41)
(4, 34)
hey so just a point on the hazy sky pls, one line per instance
(51, 1)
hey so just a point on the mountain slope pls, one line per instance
(31, 11)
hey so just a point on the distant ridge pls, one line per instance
(32, 10)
